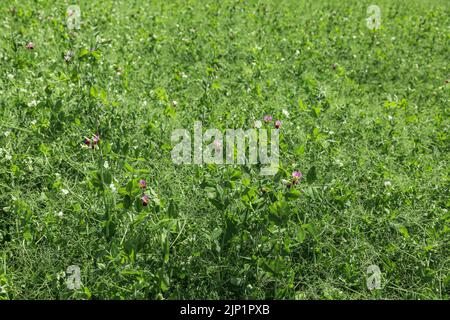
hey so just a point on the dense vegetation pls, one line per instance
(86, 114)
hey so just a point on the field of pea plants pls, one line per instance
(94, 206)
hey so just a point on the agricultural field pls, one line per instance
(94, 206)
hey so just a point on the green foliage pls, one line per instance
(367, 123)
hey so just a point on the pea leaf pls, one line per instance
(311, 176)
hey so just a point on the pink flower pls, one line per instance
(144, 200)
(143, 184)
(296, 176)
(96, 139)
(30, 46)
(277, 124)
(267, 118)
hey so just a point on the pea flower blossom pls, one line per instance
(143, 184)
(277, 124)
(267, 118)
(296, 176)
(145, 200)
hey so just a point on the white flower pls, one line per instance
(32, 103)
(60, 214)
(387, 183)
(33, 122)
(10, 76)
(7, 133)
(8, 156)
(258, 124)
(113, 187)
(286, 113)
(65, 191)
(106, 165)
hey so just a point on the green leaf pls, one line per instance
(107, 178)
(128, 167)
(299, 150)
(127, 202)
(27, 235)
(109, 229)
(165, 247)
(311, 176)
(83, 52)
(293, 194)
(44, 149)
(173, 209)
(231, 228)
(301, 235)
(310, 228)
(164, 281)
(87, 292)
(93, 92)
(279, 212)
(236, 175)
(130, 187)
(246, 182)
(404, 231)
(301, 105)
